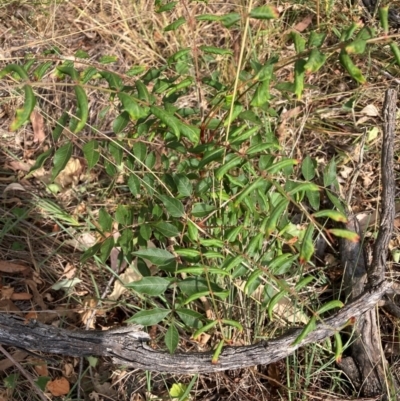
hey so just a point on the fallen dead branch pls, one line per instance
(133, 351)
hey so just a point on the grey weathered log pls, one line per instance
(134, 352)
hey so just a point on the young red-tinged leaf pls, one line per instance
(338, 347)
(384, 18)
(331, 214)
(22, 115)
(346, 234)
(307, 246)
(157, 256)
(264, 12)
(149, 317)
(330, 305)
(217, 352)
(171, 338)
(310, 326)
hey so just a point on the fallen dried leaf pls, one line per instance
(40, 367)
(7, 292)
(18, 356)
(37, 122)
(21, 296)
(58, 387)
(304, 23)
(71, 173)
(12, 268)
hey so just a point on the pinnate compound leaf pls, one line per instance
(175, 25)
(178, 390)
(316, 39)
(310, 326)
(351, 68)
(82, 111)
(153, 286)
(308, 168)
(92, 155)
(157, 256)
(346, 234)
(61, 158)
(307, 246)
(174, 206)
(149, 317)
(41, 159)
(330, 305)
(166, 229)
(171, 338)
(315, 61)
(384, 18)
(264, 12)
(396, 52)
(299, 70)
(190, 318)
(132, 107)
(332, 214)
(356, 47)
(22, 115)
(215, 50)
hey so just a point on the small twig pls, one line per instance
(25, 373)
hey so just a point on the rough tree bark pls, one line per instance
(366, 366)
